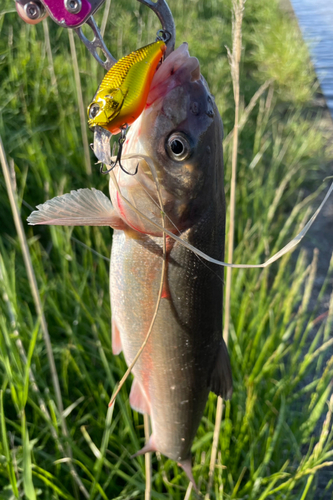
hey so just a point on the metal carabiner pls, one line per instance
(74, 13)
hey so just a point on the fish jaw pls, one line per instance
(179, 101)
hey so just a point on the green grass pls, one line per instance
(273, 440)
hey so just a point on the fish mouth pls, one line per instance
(178, 68)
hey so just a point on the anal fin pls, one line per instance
(138, 399)
(116, 341)
(148, 447)
(221, 378)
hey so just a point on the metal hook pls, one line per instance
(113, 164)
(163, 12)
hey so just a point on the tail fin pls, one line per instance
(186, 465)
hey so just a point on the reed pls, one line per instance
(50, 56)
(38, 305)
(83, 116)
(105, 16)
(234, 61)
(148, 468)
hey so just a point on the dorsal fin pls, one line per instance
(116, 340)
(221, 378)
(84, 207)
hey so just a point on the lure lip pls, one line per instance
(101, 145)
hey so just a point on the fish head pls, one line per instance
(180, 130)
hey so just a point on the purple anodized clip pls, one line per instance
(74, 13)
(71, 13)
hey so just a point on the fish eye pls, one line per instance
(178, 146)
(94, 110)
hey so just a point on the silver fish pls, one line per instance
(180, 130)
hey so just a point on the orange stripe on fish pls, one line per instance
(122, 95)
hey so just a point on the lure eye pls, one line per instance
(178, 146)
(94, 110)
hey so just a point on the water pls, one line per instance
(315, 18)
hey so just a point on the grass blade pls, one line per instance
(6, 450)
(29, 489)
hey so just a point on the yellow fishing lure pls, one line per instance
(123, 93)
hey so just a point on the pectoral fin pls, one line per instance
(221, 379)
(84, 207)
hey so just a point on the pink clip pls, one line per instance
(61, 14)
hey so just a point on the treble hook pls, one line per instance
(113, 164)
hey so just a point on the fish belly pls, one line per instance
(175, 367)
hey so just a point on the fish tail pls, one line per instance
(186, 465)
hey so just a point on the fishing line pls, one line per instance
(179, 232)
(159, 297)
(293, 243)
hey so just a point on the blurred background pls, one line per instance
(276, 435)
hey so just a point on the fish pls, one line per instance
(122, 95)
(180, 131)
